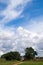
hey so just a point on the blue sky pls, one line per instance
(21, 24)
(31, 10)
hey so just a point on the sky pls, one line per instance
(21, 25)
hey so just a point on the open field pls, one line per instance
(4, 62)
(32, 63)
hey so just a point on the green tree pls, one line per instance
(11, 56)
(30, 53)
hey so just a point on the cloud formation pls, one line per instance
(9, 39)
(36, 25)
(19, 39)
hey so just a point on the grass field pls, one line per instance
(32, 63)
(4, 62)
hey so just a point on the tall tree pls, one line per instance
(30, 53)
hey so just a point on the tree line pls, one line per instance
(29, 54)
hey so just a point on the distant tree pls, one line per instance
(30, 53)
(11, 56)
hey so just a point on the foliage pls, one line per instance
(30, 53)
(11, 56)
(4, 62)
(32, 63)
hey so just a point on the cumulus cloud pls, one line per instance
(36, 25)
(19, 39)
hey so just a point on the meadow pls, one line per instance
(4, 62)
(32, 63)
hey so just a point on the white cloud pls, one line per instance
(36, 25)
(19, 39)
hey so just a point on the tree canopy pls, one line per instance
(11, 56)
(30, 53)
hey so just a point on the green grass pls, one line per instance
(4, 62)
(32, 63)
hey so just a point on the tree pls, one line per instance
(11, 56)
(30, 53)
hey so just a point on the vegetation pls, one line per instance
(11, 56)
(32, 63)
(30, 53)
(4, 62)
